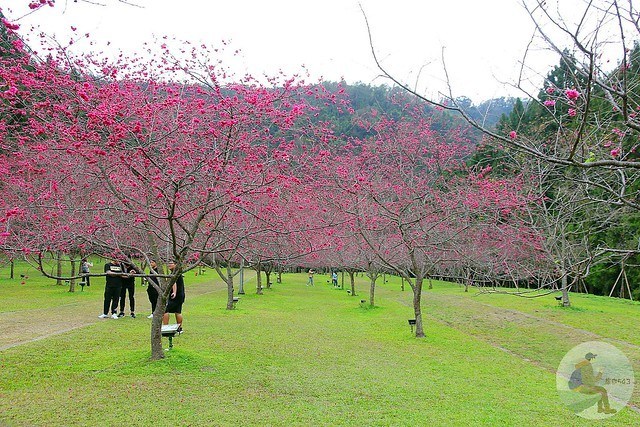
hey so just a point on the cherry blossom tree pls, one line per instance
(132, 158)
(410, 197)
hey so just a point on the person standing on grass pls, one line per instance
(112, 288)
(310, 281)
(128, 284)
(334, 278)
(152, 292)
(176, 299)
(85, 266)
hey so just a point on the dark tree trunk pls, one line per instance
(417, 297)
(258, 278)
(72, 282)
(165, 286)
(229, 281)
(267, 275)
(59, 268)
(157, 352)
(11, 271)
(372, 292)
(565, 292)
(241, 278)
(352, 278)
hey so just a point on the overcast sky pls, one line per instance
(483, 40)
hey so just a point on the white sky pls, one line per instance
(484, 40)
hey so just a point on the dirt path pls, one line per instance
(25, 326)
(20, 327)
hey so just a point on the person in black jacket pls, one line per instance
(176, 299)
(128, 284)
(112, 288)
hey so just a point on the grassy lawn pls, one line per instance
(300, 356)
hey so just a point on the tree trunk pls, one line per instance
(372, 293)
(417, 297)
(279, 276)
(267, 275)
(352, 278)
(258, 278)
(72, 282)
(402, 284)
(241, 278)
(157, 352)
(229, 280)
(11, 270)
(565, 291)
(59, 268)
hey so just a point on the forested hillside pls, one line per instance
(366, 100)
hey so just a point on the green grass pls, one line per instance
(300, 356)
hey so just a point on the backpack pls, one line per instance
(575, 380)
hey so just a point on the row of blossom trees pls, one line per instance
(174, 159)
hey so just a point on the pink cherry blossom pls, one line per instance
(513, 134)
(550, 90)
(572, 112)
(10, 25)
(615, 152)
(572, 94)
(549, 103)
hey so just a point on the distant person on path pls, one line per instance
(112, 288)
(310, 281)
(128, 284)
(176, 299)
(584, 381)
(334, 278)
(85, 266)
(151, 290)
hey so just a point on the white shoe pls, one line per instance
(150, 316)
(114, 316)
(103, 316)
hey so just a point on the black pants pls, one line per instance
(84, 280)
(111, 297)
(131, 287)
(153, 297)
